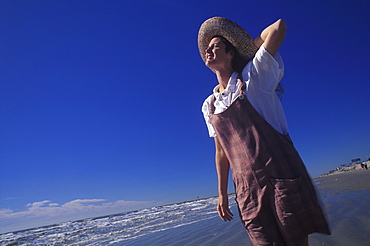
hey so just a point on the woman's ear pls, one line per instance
(230, 53)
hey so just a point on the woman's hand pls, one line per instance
(223, 208)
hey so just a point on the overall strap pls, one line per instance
(241, 83)
(212, 106)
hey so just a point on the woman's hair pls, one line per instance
(239, 62)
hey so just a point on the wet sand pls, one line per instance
(345, 197)
(346, 201)
(346, 181)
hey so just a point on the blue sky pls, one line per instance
(100, 100)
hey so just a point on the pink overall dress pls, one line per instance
(276, 199)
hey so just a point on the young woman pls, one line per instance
(276, 199)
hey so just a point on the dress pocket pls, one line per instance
(291, 196)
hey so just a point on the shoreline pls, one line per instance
(344, 197)
(334, 180)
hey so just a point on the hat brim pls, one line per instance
(234, 33)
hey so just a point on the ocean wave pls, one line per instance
(115, 229)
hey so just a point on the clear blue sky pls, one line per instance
(100, 101)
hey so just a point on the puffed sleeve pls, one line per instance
(205, 111)
(264, 71)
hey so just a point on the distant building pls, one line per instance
(357, 160)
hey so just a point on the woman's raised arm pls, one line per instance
(272, 36)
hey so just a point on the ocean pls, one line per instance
(118, 229)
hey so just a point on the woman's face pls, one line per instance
(216, 56)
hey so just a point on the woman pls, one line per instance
(276, 199)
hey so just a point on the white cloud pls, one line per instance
(47, 212)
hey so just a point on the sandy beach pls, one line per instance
(345, 197)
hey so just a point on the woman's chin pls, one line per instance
(209, 64)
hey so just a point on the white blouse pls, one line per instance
(261, 76)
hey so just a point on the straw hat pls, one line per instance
(235, 34)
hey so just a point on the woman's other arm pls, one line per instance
(222, 167)
(272, 36)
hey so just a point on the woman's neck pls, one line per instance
(223, 78)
